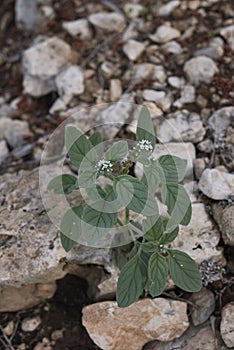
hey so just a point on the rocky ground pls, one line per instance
(59, 56)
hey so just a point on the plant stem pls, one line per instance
(120, 222)
(127, 216)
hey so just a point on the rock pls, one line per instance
(167, 9)
(227, 326)
(200, 69)
(172, 47)
(164, 33)
(180, 125)
(130, 32)
(200, 238)
(15, 299)
(153, 95)
(188, 95)
(224, 218)
(111, 327)
(228, 34)
(15, 132)
(80, 28)
(9, 329)
(220, 120)
(144, 71)
(205, 146)
(176, 82)
(115, 116)
(197, 338)
(33, 238)
(203, 306)
(199, 167)
(115, 89)
(107, 69)
(47, 11)
(133, 10)
(133, 49)
(3, 151)
(213, 50)
(70, 82)
(57, 334)
(27, 14)
(31, 324)
(42, 62)
(217, 184)
(37, 87)
(58, 106)
(109, 21)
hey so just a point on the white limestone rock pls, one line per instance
(27, 14)
(228, 34)
(164, 34)
(133, 49)
(42, 62)
(108, 21)
(144, 71)
(79, 27)
(153, 95)
(188, 95)
(114, 328)
(172, 47)
(115, 89)
(227, 326)
(200, 69)
(14, 131)
(70, 82)
(166, 10)
(180, 125)
(28, 232)
(4, 151)
(217, 184)
(200, 238)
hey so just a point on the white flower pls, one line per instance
(145, 145)
(104, 166)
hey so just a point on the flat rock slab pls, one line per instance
(30, 248)
(111, 327)
(217, 184)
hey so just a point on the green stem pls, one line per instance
(127, 216)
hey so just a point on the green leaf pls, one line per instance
(145, 127)
(100, 218)
(157, 272)
(151, 177)
(184, 271)
(169, 237)
(66, 242)
(178, 204)
(87, 178)
(149, 247)
(63, 184)
(117, 151)
(131, 281)
(153, 228)
(173, 168)
(79, 148)
(96, 140)
(70, 227)
(134, 195)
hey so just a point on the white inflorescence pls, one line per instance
(104, 166)
(145, 145)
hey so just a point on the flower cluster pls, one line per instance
(145, 145)
(104, 166)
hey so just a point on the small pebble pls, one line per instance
(30, 324)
